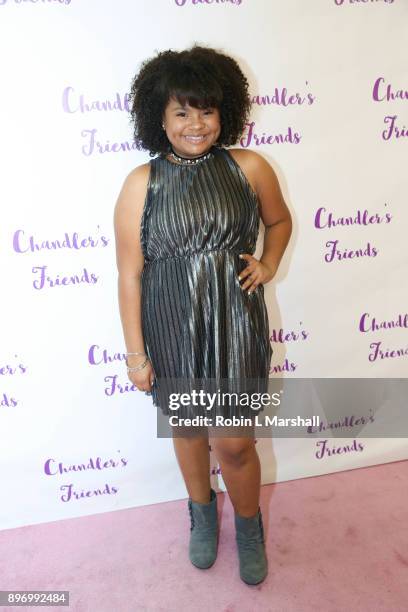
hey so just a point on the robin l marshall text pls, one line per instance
(205, 421)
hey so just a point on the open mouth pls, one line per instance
(195, 139)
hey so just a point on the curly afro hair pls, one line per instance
(201, 76)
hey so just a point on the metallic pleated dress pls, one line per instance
(197, 321)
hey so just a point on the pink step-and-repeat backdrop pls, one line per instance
(330, 114)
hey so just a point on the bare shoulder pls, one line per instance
(138, 178)
(127, 219)
(140, 170)
(134, 189)
(250, 159)
(240, 153)
(254, 166)
(265, 182)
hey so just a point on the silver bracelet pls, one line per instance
(127, 354)
(139, 367)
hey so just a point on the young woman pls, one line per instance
(191, 292)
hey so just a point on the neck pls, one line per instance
(184, 157)
(189, 161)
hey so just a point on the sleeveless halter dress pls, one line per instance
(197, 321)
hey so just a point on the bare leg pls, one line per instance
(193, 457)
(241, 471)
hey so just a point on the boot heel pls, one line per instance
(203, 532)
(253, 564)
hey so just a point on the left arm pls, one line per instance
(277, 219)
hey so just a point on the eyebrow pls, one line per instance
(176, 108)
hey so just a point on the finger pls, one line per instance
(245, 272)
(246, 282)
(250, 283)
(247, 256)
(250, 263)
(253, 288)
(248, 278)
(250, 268)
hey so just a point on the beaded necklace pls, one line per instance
(190, 160)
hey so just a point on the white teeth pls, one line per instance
(195, 138)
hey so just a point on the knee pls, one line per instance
(234, 452)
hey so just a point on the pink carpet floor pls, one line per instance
(335, 542)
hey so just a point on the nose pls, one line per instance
(196, 122)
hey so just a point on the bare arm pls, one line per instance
(274, 214)
(130, 262)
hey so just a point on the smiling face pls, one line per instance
(191, 131)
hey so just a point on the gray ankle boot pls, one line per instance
(203, 532)
(253, 564)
